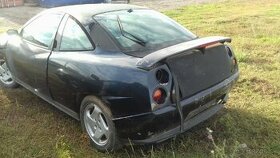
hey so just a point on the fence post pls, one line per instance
(128, 1)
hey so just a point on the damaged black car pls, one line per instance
(126, 72)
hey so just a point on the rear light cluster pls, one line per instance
(229, 52)
(162, 76)
(234, 61)
(232, 57)
(159, 95)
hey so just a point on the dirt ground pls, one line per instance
(17, 16)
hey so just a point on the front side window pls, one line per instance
(74, 38)
(42, 30)
(140, 32)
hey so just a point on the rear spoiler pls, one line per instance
(150, 60)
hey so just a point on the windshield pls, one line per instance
(140, 32)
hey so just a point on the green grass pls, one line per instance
(29, 127)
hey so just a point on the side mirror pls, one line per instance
(12, 32)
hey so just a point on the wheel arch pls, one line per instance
(81, 97)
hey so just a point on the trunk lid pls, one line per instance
(150, 60)
(195, 66)
(200, 70)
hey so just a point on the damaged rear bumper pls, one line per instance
(167, 122)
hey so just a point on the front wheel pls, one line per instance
(6, 79)
(96, 120)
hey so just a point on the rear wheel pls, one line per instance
(6, 79)
(97, 122)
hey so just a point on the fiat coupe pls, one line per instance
(127, 73)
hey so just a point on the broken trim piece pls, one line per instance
(178, 102)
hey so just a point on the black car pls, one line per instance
(126, 72)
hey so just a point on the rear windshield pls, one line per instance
(141, 32)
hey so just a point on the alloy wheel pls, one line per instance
(96, 124)
(5, 74)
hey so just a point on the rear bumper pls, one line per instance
(166, 122)
(187, 125)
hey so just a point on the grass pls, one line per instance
(29, 127)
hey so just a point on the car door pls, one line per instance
(28, 53)
(65, 67)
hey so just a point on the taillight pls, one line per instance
(160, 86)
(159, 95)
(234, 61)
(232, 57)
(162, 76)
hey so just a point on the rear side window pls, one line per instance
(42, 30)
(74, 38)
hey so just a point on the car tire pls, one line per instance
(96, 120)
(6, 79)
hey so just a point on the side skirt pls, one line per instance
(50, 101)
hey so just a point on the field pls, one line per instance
(249, 126)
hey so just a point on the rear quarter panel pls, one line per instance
(113, 77)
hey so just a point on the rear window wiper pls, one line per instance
(32, 39)
(125, 33)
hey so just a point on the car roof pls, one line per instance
(85, 12)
